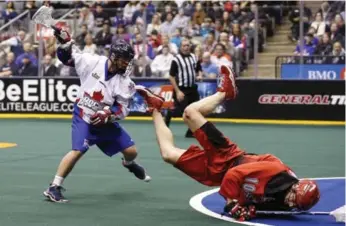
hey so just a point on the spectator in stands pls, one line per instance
(166, 7)
(139, 13)
(337, 6)
(340, 23)
(89, 47)
(48, 68)
(198, 16)
(155, 40)
(325, 46)
(104, 37)
(215, 12)
(80, 39)
(266, 20)
(129, 10)
(338, 54)
(198, 51)
(319, 25)
(155, 24)
(294, 17)
(142, 49)
(30, 5)
(316, 39)
(236, 15)
(167, 27)
(206, 27)
(335, 36)
(142, 67)
(209, 43)
(16, 43)
(10, 68)
(210, 69)
(173, 49)
(226, 21)
(150, 10)
(100, 16)
(176, 38)
(224, 39)
(9, 12)
(238, 39)
(220, 57)
(162, 63)
(50, 46)
(181, 20)
(121, 33)
(308, 46)
(326, 12)
(338, 50)
(27, 53)
(27, 68)
(86, 17)
(218, 28)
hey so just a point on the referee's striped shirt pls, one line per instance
(184, 68)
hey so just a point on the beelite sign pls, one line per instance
(37, 95)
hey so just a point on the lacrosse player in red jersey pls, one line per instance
(248, 182)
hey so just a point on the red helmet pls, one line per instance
(307, 194)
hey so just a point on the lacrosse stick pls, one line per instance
(339, 214)
(44, 17)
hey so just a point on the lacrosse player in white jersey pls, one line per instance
(105, 92)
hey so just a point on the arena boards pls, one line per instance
(332, 197)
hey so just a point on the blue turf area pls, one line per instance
(332, 197)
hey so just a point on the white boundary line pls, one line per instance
(196, 203)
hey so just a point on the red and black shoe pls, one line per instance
(227, 82)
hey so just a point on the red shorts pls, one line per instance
(209, 165)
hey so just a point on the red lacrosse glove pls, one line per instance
(101, 117)
(61, 35)
(240, 213)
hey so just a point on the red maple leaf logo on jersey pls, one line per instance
(97, 95)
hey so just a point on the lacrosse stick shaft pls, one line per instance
(288, 213)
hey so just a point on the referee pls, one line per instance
(184, 71)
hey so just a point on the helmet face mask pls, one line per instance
(121, 55)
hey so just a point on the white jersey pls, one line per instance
(99, 89)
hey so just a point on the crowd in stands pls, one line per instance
(324, 33)
(222, 32)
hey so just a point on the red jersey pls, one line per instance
(263, 184)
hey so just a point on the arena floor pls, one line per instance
(103, 193)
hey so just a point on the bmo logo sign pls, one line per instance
(323, 75)
(313, 71)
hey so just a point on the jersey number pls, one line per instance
(250, 184)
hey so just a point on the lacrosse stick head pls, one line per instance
(339, 214)
(44, 16)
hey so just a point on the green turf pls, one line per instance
(103, 193)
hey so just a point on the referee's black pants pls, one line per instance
(191, 95)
